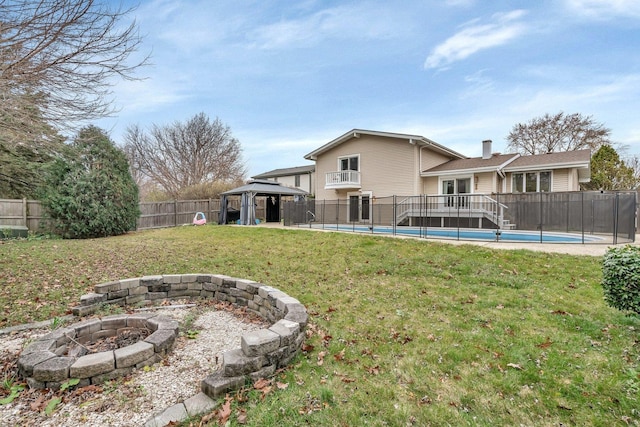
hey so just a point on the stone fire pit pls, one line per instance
(48, 362)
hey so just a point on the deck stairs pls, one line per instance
(452, 206)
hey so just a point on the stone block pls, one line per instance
(150, 361)
(130, 283)
(172, 278)
(163, 322)
(207, 294)
(54, 369)
(195, 286)
(179, 287)
(199, 404)
(84, 310)
(93, 298)
(26, 362)
(265, 372)
(242, 284)
(151, 281)
(91, 365)
(107, 287)
(299, 316)
(257, 343)
(173, 414)
(133, 354)
(138, 290)
(61, 336)
(117, 294)
(236, 363)
(189, 278)
(178, 294)
(287, 330)
(41, 345)
(112, 375)
(140, 320)
(216, 385)
(253, 287)
(218, 279)
(116, 321)
(134, 299)
(264, 290)
(204, 278)
(211, 287)
(162, 340)
(283, 302)
(156, 295)
(88, 327)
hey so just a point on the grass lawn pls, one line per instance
(404, 332)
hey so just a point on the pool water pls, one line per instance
(470, 234)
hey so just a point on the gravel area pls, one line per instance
(134, 399)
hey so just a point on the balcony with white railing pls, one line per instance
(342, 180)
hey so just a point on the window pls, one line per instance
(531, 182)
(297, 181)
(348, 163)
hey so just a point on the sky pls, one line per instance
(289, 76)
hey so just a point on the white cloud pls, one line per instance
(605, 9)
(344, 22)
(474, 38)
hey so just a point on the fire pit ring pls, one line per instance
(44, 364)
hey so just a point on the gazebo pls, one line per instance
(255, 188)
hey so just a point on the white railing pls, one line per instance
(452, 205)
(342, 179)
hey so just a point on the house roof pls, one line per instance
(411, 139)
(262, 188)
(477, 164)
(297, 170)
(579, 159)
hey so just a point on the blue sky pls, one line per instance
(287, 76)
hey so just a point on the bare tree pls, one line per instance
(59, 58)
(184, 155)
(558, 132)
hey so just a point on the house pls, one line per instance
(300, 177)
(361, 166)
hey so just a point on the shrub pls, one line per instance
(621, 278)
(89, 191)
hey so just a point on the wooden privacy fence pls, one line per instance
(29, 213)
(23, 212)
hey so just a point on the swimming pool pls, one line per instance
(468, 233)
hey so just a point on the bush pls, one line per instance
(621, 278)
(89, 191)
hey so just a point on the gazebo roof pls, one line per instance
(261, 187)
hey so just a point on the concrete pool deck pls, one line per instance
(589, 249)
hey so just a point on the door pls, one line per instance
(453, 187)
(359, 206)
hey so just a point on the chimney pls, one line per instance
(486, 149)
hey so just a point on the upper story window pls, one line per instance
(531, 182)
(350, 163)
(297, 180)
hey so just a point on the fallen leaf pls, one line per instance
(281, 386)
(225, 411)
(339, 356)
(321, 356)
(242, 416)
(261, 383)
(514, 366)
(545, 344)
(307, 348)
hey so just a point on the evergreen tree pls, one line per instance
(89, 191)
(609, 172)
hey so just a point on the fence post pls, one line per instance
(24, 211)
(175, 213)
